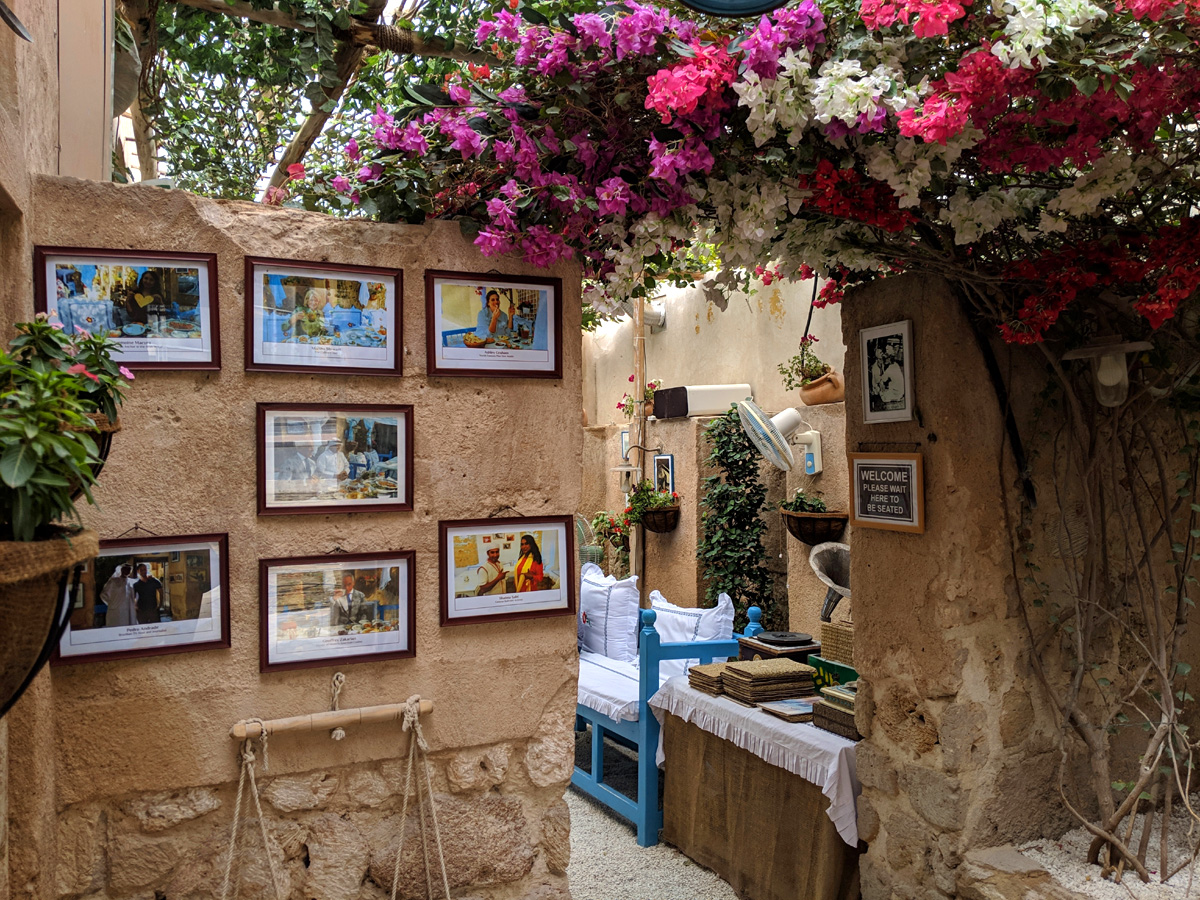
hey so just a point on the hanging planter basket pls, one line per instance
(661, 520)
(35, 577)
(815, 527)
(102, 434)
(621, 543)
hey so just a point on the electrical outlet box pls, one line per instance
(810, 442)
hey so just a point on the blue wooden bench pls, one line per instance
(642, 735)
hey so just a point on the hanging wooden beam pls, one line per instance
(325, 721)
(361, 33)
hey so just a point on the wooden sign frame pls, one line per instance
(860, 518)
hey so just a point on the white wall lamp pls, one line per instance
(629, 476)
(1110, 369)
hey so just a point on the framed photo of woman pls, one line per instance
(495, 569)
(334, 457)
(160, 308)
(493, 325)
(322, 317)
(333, 610)
(149, 596)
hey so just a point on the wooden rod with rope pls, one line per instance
(364, 715)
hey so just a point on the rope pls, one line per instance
(417, 746)
(339, 680)
(248, 770)
(389, 37)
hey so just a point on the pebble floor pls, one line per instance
(607, 863)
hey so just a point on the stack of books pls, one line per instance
(835, 711)
(707, 678)
(797, 710)
(840, 696)
(761, 680)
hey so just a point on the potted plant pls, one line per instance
(612, 527)
(656, 510)
(51, 386)
(809, 520)
(629, 406)
(818, 382)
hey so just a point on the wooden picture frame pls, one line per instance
(886, 358)
(362, 338)
(887, 491)
(193, 585)
(461, 341)
(464, 559)
(161, 316)
(306, 458)
(318, 632)
(664, 472)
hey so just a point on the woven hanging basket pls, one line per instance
(621, 543)
(103, 436)
(34, 577)
(815, 527)
(661, 520)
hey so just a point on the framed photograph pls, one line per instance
(887, 372)
(486, 578)
(333, 610)
(160, 308)
(664, 472)
(321, 458)
(493, 325)
(150, 596)
(322, 317)
(888, 491)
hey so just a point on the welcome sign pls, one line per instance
(888, 491)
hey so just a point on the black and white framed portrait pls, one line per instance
(887, 372)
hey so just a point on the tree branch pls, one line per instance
(361, 34)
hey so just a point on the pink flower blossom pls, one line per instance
(124, 371)
(380, 118)
(938, 120)
(458, 93)
(341, 184)
(492, 243)
(613, 197)
(352, 150)
(79, 329)
(638, 32)
(592, 31)
(81, 369)
(296, 171)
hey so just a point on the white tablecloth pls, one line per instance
(802, 749)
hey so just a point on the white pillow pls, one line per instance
(608, 614)
(680, 623)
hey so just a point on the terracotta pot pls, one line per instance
(829, 388)
(650, 406)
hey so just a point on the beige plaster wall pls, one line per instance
(504, 694)
(703, 345)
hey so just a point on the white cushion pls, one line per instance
(608, 614)
(610, 687)
(677, 624)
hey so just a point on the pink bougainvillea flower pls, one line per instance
(341, 184)
(296, 171)
(352, 150)
(275, 196)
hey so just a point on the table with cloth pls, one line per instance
(768, 805)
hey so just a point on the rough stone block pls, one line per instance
(485, 839)
(139, 860)
(907, 841)
(935, 796)
(477, 770)
(1016, 718)
(556, 837)
(297, 792)
(158, 812)
(868, 819)
(1002, 873)
(876, 770)
(338, 858)
(367, 788)
(963, 736)
(79, 866)
(906, 719)
(199, 874)
(551, 759)
(864, 708)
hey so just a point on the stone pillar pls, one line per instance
(954, 735)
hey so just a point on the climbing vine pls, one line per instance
(731, 553)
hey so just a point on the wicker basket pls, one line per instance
(662, 519)
(33, 582)
(831, 718)
(837, 642)
(815, 527)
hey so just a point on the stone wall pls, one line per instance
(959, 750)
(123, 772)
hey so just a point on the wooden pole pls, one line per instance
(324, 721)
(638, 563)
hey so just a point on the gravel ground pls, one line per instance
(1065, 859)
(606, 861)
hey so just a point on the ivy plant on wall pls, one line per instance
(731, 553)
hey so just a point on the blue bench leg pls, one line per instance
(597, 754)
(649, 815)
